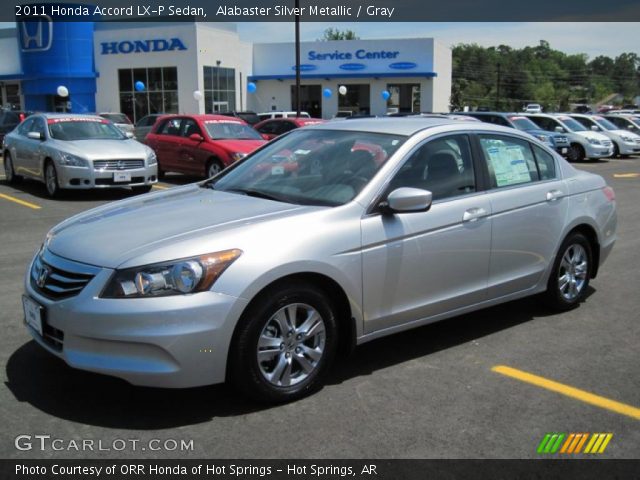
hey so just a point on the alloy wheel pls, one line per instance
(51, 179)
(8, 169)
(573, 271)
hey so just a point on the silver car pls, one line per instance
(327, 237)
(67, 151)
(625, 143)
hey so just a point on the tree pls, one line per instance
(335, 34)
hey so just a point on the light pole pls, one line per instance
(297, 5)
(218, 62)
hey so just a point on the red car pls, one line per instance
(274, 127)
(201, 144)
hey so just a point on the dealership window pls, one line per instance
(356, 99)
(160, 93)
(10, 96)
(310, 100)
(405, 98)
(219, 89)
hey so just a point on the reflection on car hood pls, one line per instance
(112, 234)
(242, 146)
(101, 149)
(593, 135)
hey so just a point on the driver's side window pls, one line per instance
(443, 166)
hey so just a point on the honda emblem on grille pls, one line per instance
(43, 274)
(120, 165)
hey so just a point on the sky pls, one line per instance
(593, 39)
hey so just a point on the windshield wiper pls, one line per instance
(255, 193)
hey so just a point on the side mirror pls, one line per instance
(406, 200)
(196, 137)
(129, 135)
(559, 129)
(35, 135)
(595, 128)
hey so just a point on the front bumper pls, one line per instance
(175, 342)
(628, 148)
(85, 178)
(597, 151)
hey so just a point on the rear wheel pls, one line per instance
(575, 153)
(51, 180)
(284, 344)
(9, 172)
(571, 273)
(214, 167)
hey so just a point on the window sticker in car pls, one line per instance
(509, 165)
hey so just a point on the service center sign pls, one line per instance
(362, 57)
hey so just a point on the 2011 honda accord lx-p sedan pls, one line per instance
(328, 236)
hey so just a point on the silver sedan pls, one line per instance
(67, 151)
(327, 237)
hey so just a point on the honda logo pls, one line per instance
(36, 35)
(43, 274)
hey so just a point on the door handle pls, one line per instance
(473, 214)
(553, 195)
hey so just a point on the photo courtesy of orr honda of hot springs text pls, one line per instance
(326, 237)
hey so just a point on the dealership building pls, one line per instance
(143, 68)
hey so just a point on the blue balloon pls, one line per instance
(327, 93)
(139, 86)
(251, 87)
(385, 95)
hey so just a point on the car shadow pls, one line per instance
(48, 384)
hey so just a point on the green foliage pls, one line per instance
(335, 34)
(507, 79)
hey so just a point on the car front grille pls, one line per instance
(111, 181)
(637, 140)
(57, 278)
(125, 164)
(562, 141)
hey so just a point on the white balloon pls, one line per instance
(197, 95)
(342, 90)
(62, 91)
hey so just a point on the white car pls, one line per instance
(533, 108)
(280, 114)
(585, 143)
(624, 142)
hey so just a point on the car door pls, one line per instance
(529, 205)
(32, 148)
(166, 144)
(192, 157)
(419, 265)
(19, 147)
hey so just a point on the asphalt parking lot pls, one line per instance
(455, 389)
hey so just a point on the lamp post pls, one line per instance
(218, 62)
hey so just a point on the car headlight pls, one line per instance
(238, 156)
(177, 277)
(543, 138)
(627, 139)
(151, 157)
(593, 141)
(72, 160)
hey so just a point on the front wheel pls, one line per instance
(284, 344)
(571, 273)
(575, 153)
(213, 168)
(51, 180)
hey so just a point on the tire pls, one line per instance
(51, 180)
(616, 151)
(571, 273)
(141, 190)
(9, 172)
(272, 365)
(214, 167)
(575, 153)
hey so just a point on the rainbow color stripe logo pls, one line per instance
(573, 443)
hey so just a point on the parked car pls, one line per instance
(72, 151)
(271, 274)
(554, 140)
(533, 108)
(272, 128)
(584, 142)
(250, 117)
(10, 119)
(281, 114)
(120, 120)
(144, 126)
(625, 121)
(624, 142)
(201, 145)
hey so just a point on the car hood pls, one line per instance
(116, 233)
(241, 146)
(625, 133)
(593, 135)
(102, 149)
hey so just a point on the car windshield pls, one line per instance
(604, 123)
(69, 129)
(523, 123)
(572, 124)
(230, 130)
(312, 167)
(116, 117)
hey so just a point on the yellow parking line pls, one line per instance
(161, 187)
(626, 175)
(572, 392)
(21, 202)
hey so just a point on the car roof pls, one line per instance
(391, 125)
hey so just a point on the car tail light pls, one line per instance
(22, 117)
(609, 193)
